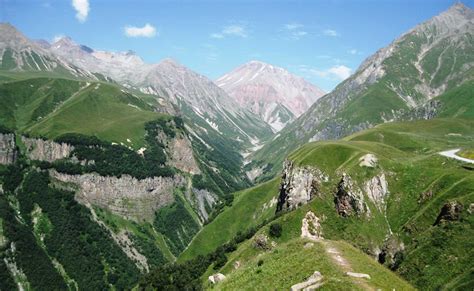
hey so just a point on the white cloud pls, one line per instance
(293, 26)
(339, 72)
(147, 30)
(295, 30)
(353, 51)
(342, 72)
(330, 32)
(82, 9)
(231, 30)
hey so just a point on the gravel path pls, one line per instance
(452, 154)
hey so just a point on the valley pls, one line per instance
(120, 174)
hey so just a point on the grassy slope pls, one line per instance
(407, 153)
(51, 107)
(246, 211)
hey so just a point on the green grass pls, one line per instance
(466, 153)
(246, 211)
(290, 263)
(105, 112)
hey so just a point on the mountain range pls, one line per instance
(118, 174)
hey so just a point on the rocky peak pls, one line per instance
(12, 38)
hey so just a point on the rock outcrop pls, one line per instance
(298, 186)
(349, 199)
(313, 282)
(204, 200)
(391, 252)
(46, 150)
(182, 156)
(451, 211)
(377, 191)
(8, 151)
(311, 227)
(368, 160)
(358, 275)
(216, 278)
(125, 196)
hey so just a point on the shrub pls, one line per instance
(275, 230)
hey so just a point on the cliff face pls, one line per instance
(349, 199)
(298, 186)
(8, 152)
(126, 196)
(182, 156)
(46, 150)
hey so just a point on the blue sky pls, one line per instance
(322, 41)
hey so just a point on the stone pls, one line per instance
(299, 185)
(377, 191)
(450, 211)
(262, 242)
(349, 199)
(46, 150)
(471, 208)
(310, 227)
(358, 275)
(313, 282)
(216, 278)
(308, 245)
(125, 196)
(8, 151)
(368, 160)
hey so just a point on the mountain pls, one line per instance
(385, 190)
(274, 94)
(19, 54)
(404, 80)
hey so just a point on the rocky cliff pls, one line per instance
(8, 152)
(298, 186)
(349, 199)
(126, 196)
(46, 150)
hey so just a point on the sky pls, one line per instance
(322, 41)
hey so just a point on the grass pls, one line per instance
(246, 211)
(466, 153)
(407, 154)
(291, 262)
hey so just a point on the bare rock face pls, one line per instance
(310, 227)
(46, 150)
(8, 152)
(182, 157)
(216, 278)
(312, 283)
(204, 200)
(298, 186)
(377, 190)
(349, 199)
(451, 211)
(126, 196)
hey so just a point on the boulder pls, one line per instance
(358, 275)
(368, 160)
(450, 211)
(310, 227)
(312, 283)
(216, 278)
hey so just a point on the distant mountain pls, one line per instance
(272, 93)
(400, 81)
(19, 54)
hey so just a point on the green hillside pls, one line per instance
(420, 183)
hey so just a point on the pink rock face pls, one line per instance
(262, 87)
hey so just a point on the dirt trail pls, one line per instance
(343, 264)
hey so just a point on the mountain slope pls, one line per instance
(385, 190)
(270, 92)
(431, 59)
(19, 54)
